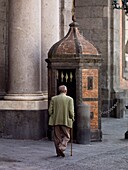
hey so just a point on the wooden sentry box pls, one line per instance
(75, 62)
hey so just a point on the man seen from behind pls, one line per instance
(61, 112)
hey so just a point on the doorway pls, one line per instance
(67, 77)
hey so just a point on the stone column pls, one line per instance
(24, 61)
(49, 34)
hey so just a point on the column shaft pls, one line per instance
(24, 80)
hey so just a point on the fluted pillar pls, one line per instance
(24, 61)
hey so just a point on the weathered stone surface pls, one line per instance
(24, 64)
(49, 34)
(80, 3)
(23, 124)
(3, 45)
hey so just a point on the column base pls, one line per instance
(45, 94)
(23, 119)
(25, 97)
(23, 105)
(23, 124)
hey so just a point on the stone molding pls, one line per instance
(23, 105)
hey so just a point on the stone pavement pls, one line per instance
(110, 154)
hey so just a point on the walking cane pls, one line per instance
(71, 134)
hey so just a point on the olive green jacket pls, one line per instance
(61, 110)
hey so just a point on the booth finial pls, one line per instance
(73, 11)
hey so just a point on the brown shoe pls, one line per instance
(61, 154)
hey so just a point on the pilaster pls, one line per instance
(49, 34)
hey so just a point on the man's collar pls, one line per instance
(62, 94)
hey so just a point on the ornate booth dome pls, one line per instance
(72, 44)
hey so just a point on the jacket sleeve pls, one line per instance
(71, 109)
(50, 110)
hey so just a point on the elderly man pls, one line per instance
(61, 112)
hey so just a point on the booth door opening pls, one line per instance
(67, 78)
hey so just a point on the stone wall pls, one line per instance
(96, 23)
(23, 124)
(65, 16)
(23, 111)
(95, 20)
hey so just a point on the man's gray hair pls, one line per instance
(62, 89)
